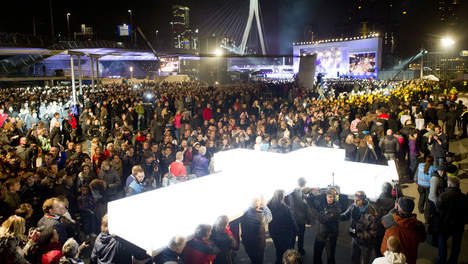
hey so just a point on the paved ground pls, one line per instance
(427, 253)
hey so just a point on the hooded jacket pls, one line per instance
(391, 258)
(113, 250)
(408, 229)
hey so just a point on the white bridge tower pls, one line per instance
(253, 10)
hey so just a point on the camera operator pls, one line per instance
(329, 211)
(26, 152)
(151, 168)
(364, 229)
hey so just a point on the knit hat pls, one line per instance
(406, 204)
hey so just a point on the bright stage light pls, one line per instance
(149, 96)
(218, 52)
(447, 41)
(178, 209)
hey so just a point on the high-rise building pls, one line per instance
(182, 35)
(448, 11)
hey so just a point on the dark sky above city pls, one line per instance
(285, 21)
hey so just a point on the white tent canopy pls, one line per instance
(430, 77)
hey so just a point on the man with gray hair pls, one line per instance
(71, 252)
(172, 253)
(453, 208)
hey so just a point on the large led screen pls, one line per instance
(357, 58)
(362, 63)
(169, 64)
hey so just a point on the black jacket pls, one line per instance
(253, 229)
(328, 217)
(167, 255)
(439, 150)
(282, 226)
(453, 208)
(55, 223)
(113, 250)
(225, 243)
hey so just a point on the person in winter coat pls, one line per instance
(300, 213)
(224, 240)
(53, 210)
(386, 202)
(71, 252)
(253, 225)
(431, 213)
(200, 163)
(389, 146)
(404, 225)
(439, 149)
(393, 254)
(424, 173)
(200, 250)
(110, 249)
(282, 228)
(11, 238)
(327, 229)
(453, 208)
(112, 179)
(207, 113)
(364, 228)
(172, 253)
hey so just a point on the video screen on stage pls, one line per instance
(362, 63)
(356, 58)
(169, 64)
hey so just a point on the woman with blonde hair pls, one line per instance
(11, 237)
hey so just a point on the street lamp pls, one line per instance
(131, 24)
(218, 52)
(131, 72)
(68, 25)
(447, 42)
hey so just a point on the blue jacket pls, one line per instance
(200, 165)
(424, 180)
(134, 188)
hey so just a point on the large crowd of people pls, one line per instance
(60, 164)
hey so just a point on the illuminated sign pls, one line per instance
(464, 53)
(123, 30)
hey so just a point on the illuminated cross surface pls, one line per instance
(253, 10)
(149, 220)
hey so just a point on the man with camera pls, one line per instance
(364, 229)
(329, 211)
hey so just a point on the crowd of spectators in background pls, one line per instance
(61, 164)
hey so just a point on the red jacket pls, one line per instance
(408, 230)
(207, 115)
(199, 252)
(72, 121)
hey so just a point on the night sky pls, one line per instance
(285, 21)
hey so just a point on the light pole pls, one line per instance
(156, 40)
(447, 43)
(131, 72)
(51, 20)
(68, 25)
(131, 25)
(219, 53)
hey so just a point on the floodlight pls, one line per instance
(218, 52)
(447, 42)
